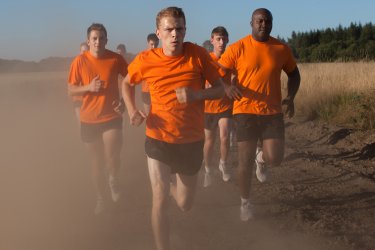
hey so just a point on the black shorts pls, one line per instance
(146, 98)
(254, 127)
(211, 120)
(183, 159)
(92, 131)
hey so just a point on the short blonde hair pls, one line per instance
(175, 12)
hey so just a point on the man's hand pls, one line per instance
(289, 107)
(137, 117)
(95, 84)
(232, 92)
(118, 106)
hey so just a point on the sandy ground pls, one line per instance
(322, 197)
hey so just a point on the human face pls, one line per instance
(171, 32)
(120, 52)
(152, 44)
(261, 24)
(97, 42)
(220, 43)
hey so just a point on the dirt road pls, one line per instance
(322, 197)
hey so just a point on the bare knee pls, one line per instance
(273, 160)
(185, 205)
(160, 201)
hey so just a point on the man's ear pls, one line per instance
(157, 33)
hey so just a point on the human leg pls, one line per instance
(95, 150)
(183, 191)
(207, 154)
(246, 155)
(272, 141)
(248, 132)
(273, 151)
(112, 141)
(160, 184)
(224, 128)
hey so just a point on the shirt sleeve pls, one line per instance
(227, 59)
(211, 70)
(134, 70)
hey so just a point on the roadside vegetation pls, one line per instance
(339, 93)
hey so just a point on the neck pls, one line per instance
(177, 52)
(217, 53)
(96, 53)
(261, 39)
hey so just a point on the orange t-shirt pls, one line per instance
(97, 107)
(222, 104)
(169, 120)
(258, 66)
(145, 87)
(77, 99)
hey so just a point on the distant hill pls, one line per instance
(47, 64)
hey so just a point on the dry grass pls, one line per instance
(342, 93)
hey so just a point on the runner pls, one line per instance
(218, 113)
(94, 75)
(258, 60)
(175, 126)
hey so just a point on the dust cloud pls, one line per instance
(47, 201)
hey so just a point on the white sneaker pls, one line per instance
(114, 187)
(224, 170)
(207, 179)
(99, 205)
(261, 171)
(246, 212)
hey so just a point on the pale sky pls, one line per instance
(37, 29)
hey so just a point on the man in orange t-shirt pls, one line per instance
(258, 60)
(152, 43)
(176, 76)
(218, 113)
(94, 76)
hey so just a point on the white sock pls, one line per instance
(208, 170)
(245, 201)
(222, 162)
(260, 157)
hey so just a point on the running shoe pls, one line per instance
(261, 171)
(246, 212)
(114, 186)
(224, 171)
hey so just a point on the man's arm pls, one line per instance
(94, 86)
(187, 95)
(231, 90)
(294, 80)
(128, 93)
